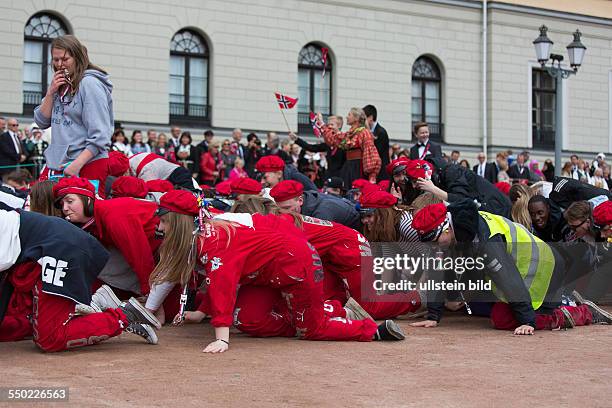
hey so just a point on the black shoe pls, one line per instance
(143, 330)
(600, 316)
(389, 331)
(568, 321)
(136, 313)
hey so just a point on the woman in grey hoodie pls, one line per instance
(79, 109)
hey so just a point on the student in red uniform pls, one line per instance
(341, 250)
(57, 263)
(230, 254)
(125, 223)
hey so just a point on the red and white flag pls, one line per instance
(324, 58)
(316, 129)
(284, 101)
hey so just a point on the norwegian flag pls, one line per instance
(324, 58)
(284, 101)
(316, 129)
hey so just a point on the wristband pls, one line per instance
(226, 342)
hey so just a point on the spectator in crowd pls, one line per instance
(272, 147)
(585, 171)
(137, 145)
(454, 157)
(535, 174)
(576, 171)
(381, 139)
(488, 171)
(424, 148)
(567, 170)
(286, 148)
(510, 157)
(548, 170)
(163, 149)
(2, 124)
(606, 176)
(227, 158)
(395, 151)
(210, 165)
(238, 170)
(119, 142)
(296, 151)
(12, 151)
(598, 180)
(519, 171)
(237, 148)
(253, 154)
(502, 174)
(600, 160)
(208, 137)
(175, 137)
(188, 155)
(151, 138)
(35, 148)
(465, 164)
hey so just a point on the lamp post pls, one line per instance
(576, 51)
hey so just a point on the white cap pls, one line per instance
(601, 156)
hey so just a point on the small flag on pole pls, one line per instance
(284, 101)
(316, 129)
(324, 58)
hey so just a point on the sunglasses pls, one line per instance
(16, 124)
(575, 227)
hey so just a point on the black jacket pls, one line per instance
(435, 150)
(460, 183)
(381, 141)
(335, 159)
(8, 155)
(292, 173)
(567, 190)
(330, 208)
(490, 172)
(513, 173)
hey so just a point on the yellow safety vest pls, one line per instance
(532, 256)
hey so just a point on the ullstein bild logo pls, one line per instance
(53, 270)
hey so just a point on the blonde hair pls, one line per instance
(360, 114)
(78, 52)
(254, 204)
(520, 195)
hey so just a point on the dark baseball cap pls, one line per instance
(334, 182)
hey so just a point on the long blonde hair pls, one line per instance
(520, 195)
(78, 51)
(179, 250)
(255, 204)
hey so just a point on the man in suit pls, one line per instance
(175, 136)
(518, 170)
(11, 149)
(424, 148)
(237, 146)
(381, 139)
(488, 171)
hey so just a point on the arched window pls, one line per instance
(189, 77)
(314, 89)
(427, 96)
(40, 30)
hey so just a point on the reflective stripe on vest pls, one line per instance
(533, 257)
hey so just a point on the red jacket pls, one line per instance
(129, 225)
(208, 165)
(244, 256)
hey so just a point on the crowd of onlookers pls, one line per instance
(217, 159)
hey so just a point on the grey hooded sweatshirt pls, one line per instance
(85, 123)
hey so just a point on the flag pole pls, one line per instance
(284, 117)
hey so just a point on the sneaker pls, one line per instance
(84, 310)
(105, 298)
(578, 298)
(389, 331)
(143, 330)
(568, 321)
(136, 313)
(600, 316)
(354, 311)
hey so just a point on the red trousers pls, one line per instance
(56, 329)
(262, 312)
(297, 273)
(16, 324)
(94, 170)
(502, 317)
(344, 263)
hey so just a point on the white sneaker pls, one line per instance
(105, 298)
(354, 311)
(143, 330)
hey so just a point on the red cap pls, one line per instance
(360, 183)
(384, 184)
(179, 201)
(270, 163)
(245, 185)
(74, 185)
(159, 186)
(118, 164)
(286, 190)
(128, 186)
(419, 169)
(397, 165)
(224, 188)
(602, 214)
(503, 187)
(430, 221)
(377, 199)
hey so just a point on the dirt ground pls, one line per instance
(461, 363)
